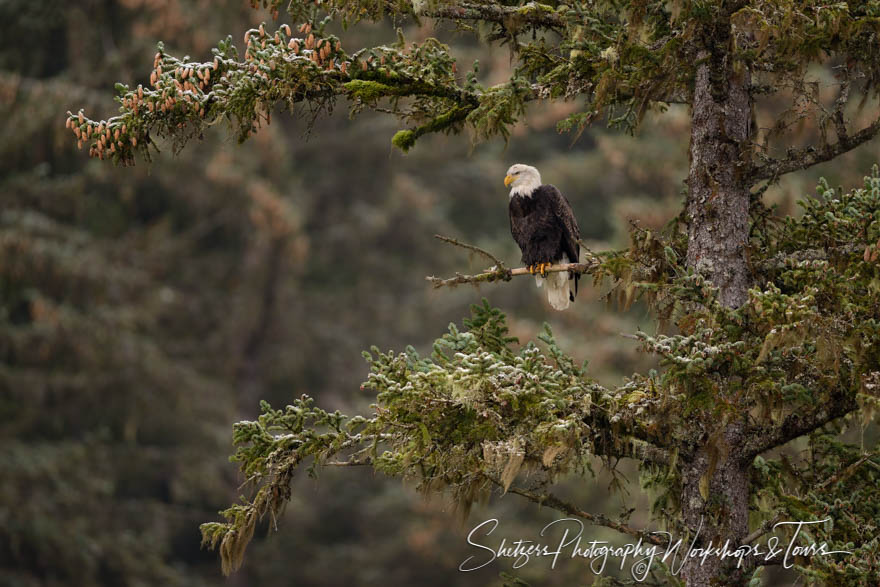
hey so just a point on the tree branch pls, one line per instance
(797, 424)
(786, 260)
(349, 463)
(642, 450)
(501, 274)
(474, 248)
(839, 104)
(184, 97)
(847, 472)
(762, 529)
(798, 159)
(534, 15)
(554, 502)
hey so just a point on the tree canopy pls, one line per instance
(619, 58)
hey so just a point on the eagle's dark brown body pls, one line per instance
(544, 227)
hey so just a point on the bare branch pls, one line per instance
(799, 423)
(501, 274)
(839, 104)
(554, 502)
(474, 248)
(762, 529)
(798, 159)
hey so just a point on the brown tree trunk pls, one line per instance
(718, 191)
(724, 516)
(718, 216)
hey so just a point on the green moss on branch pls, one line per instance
(405, 139)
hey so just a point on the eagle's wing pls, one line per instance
(571, 234)
(521, 230)
(565, 215)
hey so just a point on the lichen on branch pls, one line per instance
(476, 413)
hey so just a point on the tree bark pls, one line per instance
(718, 216)
(724, 516)
(718, 191)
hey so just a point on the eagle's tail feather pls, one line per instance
(559, 290)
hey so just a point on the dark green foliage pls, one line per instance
(838, 482)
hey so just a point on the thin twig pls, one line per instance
(474, 248)
(762, 529)
(586, 248)
(847, 472)
(839, 104)
(554, 502)
(349, 463)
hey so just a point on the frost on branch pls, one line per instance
(309, 69)
(467, 419)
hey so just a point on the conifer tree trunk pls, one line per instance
(718, 216)
(718, 190)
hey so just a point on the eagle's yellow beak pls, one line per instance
(508, 179)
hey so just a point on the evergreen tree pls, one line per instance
(776, 320)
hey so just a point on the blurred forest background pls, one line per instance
(144, 310)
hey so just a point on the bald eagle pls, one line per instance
(543, 225)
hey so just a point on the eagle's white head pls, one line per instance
(524, 178)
